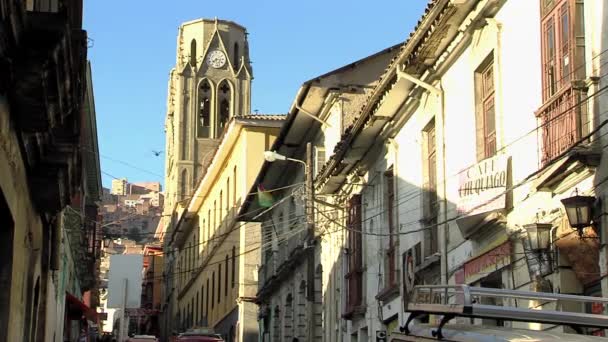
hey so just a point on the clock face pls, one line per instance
(216, 59)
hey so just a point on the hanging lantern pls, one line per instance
(579, 210)
(539, 236)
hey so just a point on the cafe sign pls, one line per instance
(482, 187)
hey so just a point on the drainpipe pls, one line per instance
(437, 91)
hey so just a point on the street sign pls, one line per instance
(381, 336)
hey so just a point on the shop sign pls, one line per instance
(409, 274)
(482, 187)
(487, 263)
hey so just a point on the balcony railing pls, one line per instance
(561, 123)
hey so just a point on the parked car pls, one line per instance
(199, 335)
(143, 338)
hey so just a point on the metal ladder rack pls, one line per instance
(434, 299)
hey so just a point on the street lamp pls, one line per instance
(272, 156)
(106, 242)
(539, 236)
(579, 210)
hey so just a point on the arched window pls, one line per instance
(236, 56)
(207, 299)
(228, 194)
(204, 109)
(193, 52)
(189, 252)
(234, 186)
(224, 106)
(202, 308)
(233, 265)
(219, 281)
(183, 184)
(226, 278)
(212, 289)
(196, 310)
(208, 226)
(221, 213)
(195, 252)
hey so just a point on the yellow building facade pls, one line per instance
(216, 256)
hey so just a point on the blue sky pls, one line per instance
(134, 44)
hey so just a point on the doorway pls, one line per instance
(494, 281)
(7, 233)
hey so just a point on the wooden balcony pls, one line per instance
(561, 123)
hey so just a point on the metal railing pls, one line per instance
(562, 122)
(465, 301)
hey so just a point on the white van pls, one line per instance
(451, 301)
(476, 333)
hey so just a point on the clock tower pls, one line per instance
(210, 83)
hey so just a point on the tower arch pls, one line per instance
(193, 52)
(204, 103)
(225, 104)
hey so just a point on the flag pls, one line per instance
(265, 199)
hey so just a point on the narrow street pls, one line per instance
(414, 170)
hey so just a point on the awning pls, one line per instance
(76, 308)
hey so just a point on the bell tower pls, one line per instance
(210, 83)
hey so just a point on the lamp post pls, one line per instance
(272, 156)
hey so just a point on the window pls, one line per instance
(355, 254)
(234, 185)
(485, 120)
(208, 225)
(204, 235)
(228, 194)
(203, 299)
(219, 281)
(196, 310)
(192, 309)
(214, 216)
(221, 213)
(188, 258)
(563, 121)
(226, 278)
(557, 48)
(236, 56)
(194, 253)
(207, 299)
(204, 109)
(183, 185)
(319, 159)
(213, 289)
(390, 269)
(430, 202)
(224, 102)
(233, 270)
(193, 52)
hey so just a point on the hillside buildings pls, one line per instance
(135, 213)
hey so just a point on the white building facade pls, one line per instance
(490, 116)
